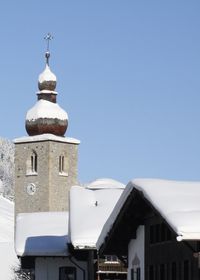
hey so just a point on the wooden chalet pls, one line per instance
(155, 227)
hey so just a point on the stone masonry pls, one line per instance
(51, 186)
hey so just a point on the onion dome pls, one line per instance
(47, 80)
(46, 116)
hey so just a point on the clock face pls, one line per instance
(31, 189)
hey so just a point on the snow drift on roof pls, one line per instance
(46, 109)
(104, 183)
(90, 207)
(177, 202)
(42, 234)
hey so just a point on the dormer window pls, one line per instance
(62, 165)
(32, 164)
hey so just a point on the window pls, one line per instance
(138, 273)
(132, 274)
(135, 273)
(186, 270)
(173, 271)
(62, 165)
(162, 271)
(111, 258)
(159, 233)
(151, 273)
(32, 164)
(67, 273)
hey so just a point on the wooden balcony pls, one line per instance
(111, 268)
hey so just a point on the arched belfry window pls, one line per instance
(62, 165)
(32, 164)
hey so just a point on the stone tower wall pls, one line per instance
(60, 183)
(51, 186)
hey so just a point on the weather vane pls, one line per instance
(48, 38)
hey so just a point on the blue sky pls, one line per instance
(128, 75)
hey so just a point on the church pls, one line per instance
(68, 231)
(57, 221)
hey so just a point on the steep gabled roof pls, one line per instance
(177, 202)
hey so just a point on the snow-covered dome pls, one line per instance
(46, 116)
(47, 80)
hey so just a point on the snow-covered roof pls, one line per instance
(8, 258)
(90, 207)
(46, 109)
(46, 137)
(177, 202)
(42, 234)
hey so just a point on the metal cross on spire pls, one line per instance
(48, 38)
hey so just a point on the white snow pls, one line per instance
(105, 183)
(46, 109)
(42, 234)
(8, 258)
(47, 75)
(1, 186)
(90, 207)
(177, 202)
(46, 137)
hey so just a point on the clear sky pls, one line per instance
(128, 75)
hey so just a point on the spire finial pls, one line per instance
(48, 38)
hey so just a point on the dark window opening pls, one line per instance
(159, 233)
(162, 271)
(61, 164)
(67, 273)
(186, 275)
(173, 271)
(34, 162)
(138, 273)
(132, 274)
(151, 273)
(135, 273)
(111, 258)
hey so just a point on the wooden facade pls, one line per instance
(165, 257)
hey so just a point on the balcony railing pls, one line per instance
(111, 267)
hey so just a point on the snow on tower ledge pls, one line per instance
(46, 137)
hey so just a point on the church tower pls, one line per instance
(45, 161)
